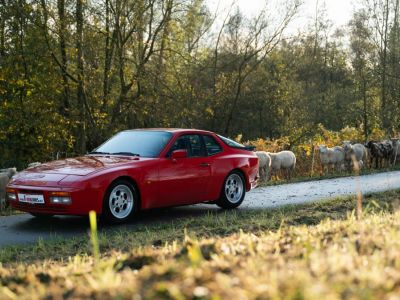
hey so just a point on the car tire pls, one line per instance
(233, 191)
(120, 202)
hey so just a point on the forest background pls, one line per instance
(75, 72)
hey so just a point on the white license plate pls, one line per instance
(33, 199)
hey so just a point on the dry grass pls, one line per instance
(316, 251)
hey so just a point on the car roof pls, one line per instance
(173, 130)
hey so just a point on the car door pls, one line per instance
(184, 180)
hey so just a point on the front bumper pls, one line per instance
(82, 201)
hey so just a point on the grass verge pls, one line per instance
(310, 251)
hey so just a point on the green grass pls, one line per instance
(311, 251)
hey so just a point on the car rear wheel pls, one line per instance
(120, 201)
(233, 191)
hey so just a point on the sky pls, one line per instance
(338, 11)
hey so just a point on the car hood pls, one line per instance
(52, 173)
(80, 166)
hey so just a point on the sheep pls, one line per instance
(264, 165)
(388, 151)
(5, 176)
(3, 183)
(356, 165)
(331, 157)
(356, 152)
(380, 152)
(376, 153)
(396, 150)
(285, 161)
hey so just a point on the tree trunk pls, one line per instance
(364, 91)
(2, 29)
(385, 120)
(109, 49)
(80, 72)
(235, 101)
(66, 94)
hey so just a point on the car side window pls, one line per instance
(191, 142)
(212, 146)
(180, 144)
(195, 146)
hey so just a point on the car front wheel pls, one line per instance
(233, 191)
(120, 201)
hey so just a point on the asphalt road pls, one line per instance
(23, 229)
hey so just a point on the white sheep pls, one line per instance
(3, 183)
(285, 161)
(264, 165)
(5, 177)
(331, 157)
(356, 152)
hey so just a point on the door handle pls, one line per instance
(204, 165)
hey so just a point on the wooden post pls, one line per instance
(312, 161)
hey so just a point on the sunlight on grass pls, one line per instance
(358, 259)
(313, 251)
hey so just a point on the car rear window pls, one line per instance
(233, 144)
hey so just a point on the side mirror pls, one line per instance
(181, 153)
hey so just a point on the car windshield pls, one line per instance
(135, 143)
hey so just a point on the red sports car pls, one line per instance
(139, 169)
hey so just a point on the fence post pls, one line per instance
(312, 160)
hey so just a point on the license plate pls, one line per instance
(32, 199)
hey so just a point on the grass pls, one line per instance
(313, 251)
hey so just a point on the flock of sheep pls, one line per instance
(340, 158)
(350, 156)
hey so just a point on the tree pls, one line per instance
(362, 50)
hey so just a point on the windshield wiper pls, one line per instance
(125, 153)
(99, 152)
